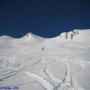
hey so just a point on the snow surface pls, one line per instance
(36, 63)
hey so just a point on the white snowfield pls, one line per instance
(36, 63)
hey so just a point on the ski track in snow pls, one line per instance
(52, 83)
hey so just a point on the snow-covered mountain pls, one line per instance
(37, 63)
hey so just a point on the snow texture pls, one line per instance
(37, 63)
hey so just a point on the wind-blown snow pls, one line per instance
(37, 63)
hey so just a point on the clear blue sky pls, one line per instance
(47, 18)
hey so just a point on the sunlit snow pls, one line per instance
(37, 63)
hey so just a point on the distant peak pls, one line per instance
(29, 34)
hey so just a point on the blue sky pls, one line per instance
(47, 18)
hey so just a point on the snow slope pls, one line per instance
(37, 63)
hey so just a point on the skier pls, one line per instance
(42, 48)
